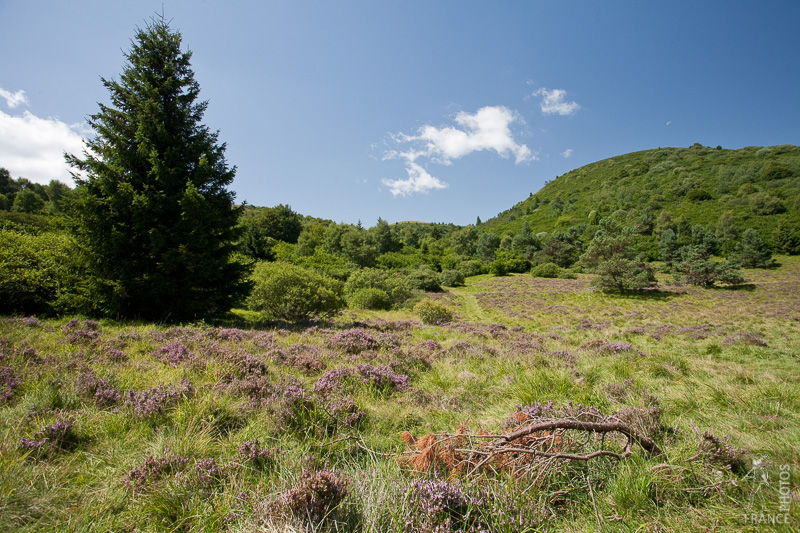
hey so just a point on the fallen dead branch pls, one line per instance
(527, 450)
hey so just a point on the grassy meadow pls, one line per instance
(249, 425)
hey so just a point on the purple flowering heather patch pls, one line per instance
(353, 341)
(154, 469)
(745, 337)
(58, 436)
(316, 495)
(9, 382)
(155, 401)
(252, 453)
(208, 474)
(439, 506)
(381, 378)
(89, 385)
(716, 451)
(173, 353)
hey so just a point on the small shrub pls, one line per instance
(546, 270)
(316, 495)
(698, 195)
(154, 469)
(258, 457)
(370, 298)
(451, 278)
(353, 341)
(58, 436)
(432, 312)
(289, 292)
(472, 267)
(766, 204)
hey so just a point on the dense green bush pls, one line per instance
(423, 278)
(432, 312)
(765, 204)
(751, 251)
(451, 278)
(546, 270)
(290, 292)
(472, 267)
(497, 268)
(369, 298)
(698, 195)
(34, 271)
(401, 290)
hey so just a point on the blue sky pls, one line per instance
(437, 111)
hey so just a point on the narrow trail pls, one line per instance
(470, 309)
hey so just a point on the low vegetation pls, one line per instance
(541, 404)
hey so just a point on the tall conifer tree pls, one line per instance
(153, 216)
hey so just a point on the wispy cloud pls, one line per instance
(13, 99)
(566, 153)
(489, 129)
(419, 180)
(33, 147)
(553, 102)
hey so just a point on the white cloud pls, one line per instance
(419, 180)
(553, 102)
(33, 147)
(566, 153)
(14, 99)
(669, 122)
(489, 129)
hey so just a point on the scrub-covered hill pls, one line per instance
(760, 187)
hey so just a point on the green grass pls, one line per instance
(517, 340)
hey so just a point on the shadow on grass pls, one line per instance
(750, 287)
(656, 295)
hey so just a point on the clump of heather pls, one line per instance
(746, 338)
(30, 321)
(228, 334)
(9, 382)
(333, 381)
(645, 420)
(208, 474)
(156, 400)
(353, 341)
(254, 455)
(247, 364)
(717, 452)
(602, 346)
(345, 411)
(429, 346)
(254, 386)
(176, 333)
(117, 356)
(89, 385)
(437, 506)
(58, 436)
(173, 353)
(380, 378)
(154, 469)
(316, 496)
(300, 356)
(291, 406)
(82, 336)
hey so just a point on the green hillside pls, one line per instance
(759, 186)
